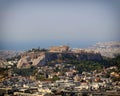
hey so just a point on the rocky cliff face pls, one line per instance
(39, 60)
(31, 59)
(24, 62)
(78, 56)
(43, 58)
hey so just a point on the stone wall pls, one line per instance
(59, 48)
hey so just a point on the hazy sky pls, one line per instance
(31, 23)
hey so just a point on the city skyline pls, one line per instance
(29, 24)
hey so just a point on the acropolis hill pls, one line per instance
(55, 53)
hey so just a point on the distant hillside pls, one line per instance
(3, 63)
(108, 49)
(4, 54)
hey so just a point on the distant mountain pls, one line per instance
(4, 54)
(3, 63)
(108, 49)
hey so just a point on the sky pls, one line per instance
(26, 24)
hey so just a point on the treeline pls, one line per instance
(88, 65)
(25, 71)
(38, 50)
(115, 61)
(97, 65)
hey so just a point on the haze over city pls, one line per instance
(78, 23)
